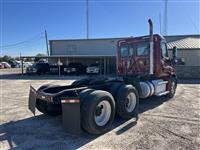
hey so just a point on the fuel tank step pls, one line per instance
(163, 82)
(163, 93)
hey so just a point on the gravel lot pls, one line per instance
(163, 124)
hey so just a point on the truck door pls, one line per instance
(142, 57)
(166, 68)
(134, 58)
(126, 55)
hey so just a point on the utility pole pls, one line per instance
(87, 20)
(47, 43)
(22, 63)
(160, 23)
(165, 21)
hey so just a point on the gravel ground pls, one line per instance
(163, 124)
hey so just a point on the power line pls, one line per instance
(22, 42)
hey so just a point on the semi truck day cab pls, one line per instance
(143, 68)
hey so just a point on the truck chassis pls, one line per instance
(91, 103)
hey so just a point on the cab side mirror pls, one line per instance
(174, 52)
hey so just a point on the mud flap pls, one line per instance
(71, 116)
(32, 100)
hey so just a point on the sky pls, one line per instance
(23, 22)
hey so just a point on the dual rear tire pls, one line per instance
(127, 102)
(98, 107)
(97, 111)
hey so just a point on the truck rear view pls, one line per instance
(144, 69)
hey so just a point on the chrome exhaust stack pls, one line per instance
(151, 61)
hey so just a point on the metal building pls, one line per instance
(86, 51)
(188, 50)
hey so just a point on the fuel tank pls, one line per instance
(153, 87)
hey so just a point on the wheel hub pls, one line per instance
(102, 113)
(99, 110)
(127, 102)
(130, 102)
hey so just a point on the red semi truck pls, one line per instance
(143, 68)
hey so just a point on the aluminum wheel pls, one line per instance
(102, 113)
(130, 102)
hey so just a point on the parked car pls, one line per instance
(14, 64)
(42, 61)
(27, 64)
(1, 66)
(18, 62)
(6, 65)
(74, 68)
(38, 68)
(54, 69)
(93, 69)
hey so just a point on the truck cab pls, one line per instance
(133, 57)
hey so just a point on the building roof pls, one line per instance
(186, 43)
(115, 38)
(169, 38)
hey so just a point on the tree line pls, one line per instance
(7, 58)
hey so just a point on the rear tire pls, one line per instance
(81, 82)
(127, 102)
(84, 94)
(95, 81)
(114, 89)
(44, 87)
(98, 111)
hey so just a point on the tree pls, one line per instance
(39, 55)
(17, 58)
(29, 59)
(6, 58)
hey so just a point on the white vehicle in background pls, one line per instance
(13, 64)
(93, 69)
(18, 62)
(25, 64)
(6, 65)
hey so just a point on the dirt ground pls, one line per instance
(163, 123)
